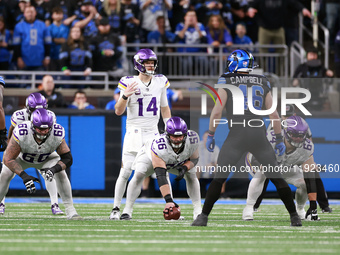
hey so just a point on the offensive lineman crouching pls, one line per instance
(33, 144)
(175, 151)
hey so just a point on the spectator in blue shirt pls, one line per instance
(174, 96)
(241, 37)
(5, 42)
(111, 105)
(32, 42)
(217, 32)
(80, 101)
(59, 33)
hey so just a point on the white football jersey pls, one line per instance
(31, 151)
(162, 148)
(22, 115)
(143, 107)
(296, 157)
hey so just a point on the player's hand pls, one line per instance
(210, 144)
(48, 173)
(3, 137)
(280, 147)
(29, 181)
(182, 169)
(2, 81)
(130, 89)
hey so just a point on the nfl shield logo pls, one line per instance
(136, 131)
(245, 63)
(137, 92)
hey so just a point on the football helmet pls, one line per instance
(295, 130)
(144, 55)
(42, 119)
(35, 101)
(240, 61)
(176, 126)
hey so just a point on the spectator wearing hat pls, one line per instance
(130, 21)
(306, 74)
(106, 48)
(111, 105)
(86, 19)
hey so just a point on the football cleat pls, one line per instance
(248, 213)
(327, 210)
(56, 210)
(312, 215)
(2, 209)
(115, 214)
(75, 217)
(301, 213)
(295, 220)
(201, 221)
(197, 212)
(125, 216)
(256, 209)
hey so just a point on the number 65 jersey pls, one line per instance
(31, 151)
(161, 147)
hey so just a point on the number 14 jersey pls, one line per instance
(143, 107)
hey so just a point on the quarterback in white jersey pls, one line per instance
(144, 98)
(35, 101)
(176, 151)
(33, 144)
(297, 159)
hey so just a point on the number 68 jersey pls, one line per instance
(31, 151)
(161, 147)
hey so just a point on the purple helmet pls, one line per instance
(176, 126)
(35, 101)
(144, 55)
(295, 130)
(41, 119)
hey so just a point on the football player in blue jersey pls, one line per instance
(242, 137)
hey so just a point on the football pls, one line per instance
(172, 213)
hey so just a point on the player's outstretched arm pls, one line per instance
(217, 110)
(10, 155)
(166, 113)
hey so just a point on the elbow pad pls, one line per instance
(67, 159)
(194, 161)
(161, 176)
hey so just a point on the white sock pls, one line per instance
(51, 188)
(301, 195)
(120, 186)
(255, 188)
(193, 190)
(65, 191)
(5, 178)
(133, 191)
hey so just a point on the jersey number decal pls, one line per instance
(23, 129)
(193, 139)
(33, 37)
(152, 107)
(257, 92)
(30, 157)
(22, 117)
(161, 144)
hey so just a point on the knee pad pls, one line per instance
(125, 172)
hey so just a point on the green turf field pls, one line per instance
(32, 229)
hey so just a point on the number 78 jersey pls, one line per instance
(31, 151)
(143, 107)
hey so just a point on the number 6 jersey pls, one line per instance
(31, 151)
(143, 107)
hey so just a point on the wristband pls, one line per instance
(57, 168)
(279, 138)
(168, 198)
(23, 175)
(125, 97)
(211, 133)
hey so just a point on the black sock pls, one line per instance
(312, 205)
(213, 193)
(287, 198)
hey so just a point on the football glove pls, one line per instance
(210, 144)
(182, 169)
(3, 139)
(48, 173)
(2, 81)
(29, 181)
(312, 215)
(280, 147)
